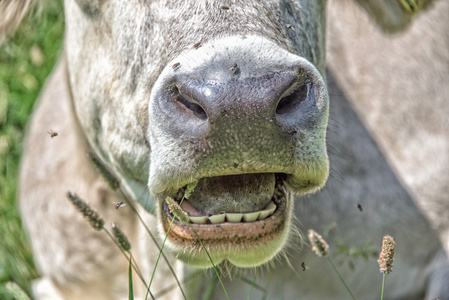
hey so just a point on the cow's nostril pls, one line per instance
(189, 103)
(291, 101)
(195, 108)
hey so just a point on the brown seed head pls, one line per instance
(386, 255)
(91, 214)
(107, 174)
(319, 245)
(121, 237)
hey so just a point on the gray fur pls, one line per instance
(391, 137)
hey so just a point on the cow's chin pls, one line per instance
(243, 239)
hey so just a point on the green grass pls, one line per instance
(26, 59)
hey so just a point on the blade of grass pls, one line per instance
(97, 223)
(158, 257)
(187, 193)
(16, 291)
(127, 258)
(128, 202)
(383, 284)
(321, 249)
(265, 294)
(211, 288)
(174, 285)
(253, 283)
(177, 211)
(339, 276)
(281, 290)
(211, 261)
(130, 280)
(114, 184)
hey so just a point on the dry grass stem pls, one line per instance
(114, 184)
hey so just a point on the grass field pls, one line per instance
(26, 59)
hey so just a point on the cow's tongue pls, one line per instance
(232, 194)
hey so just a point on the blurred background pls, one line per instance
(26, 59)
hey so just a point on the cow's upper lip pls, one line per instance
(224, 228)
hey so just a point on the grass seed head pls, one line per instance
(121, 237)
(319, 245)
(176, 210)
(189, 189)
(107, 174)
(412, 7)
(89, 213)
(386, 255)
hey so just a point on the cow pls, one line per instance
(229, 101)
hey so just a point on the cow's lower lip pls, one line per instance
(226, 229)
(224, 236)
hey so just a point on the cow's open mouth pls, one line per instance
(235, 229)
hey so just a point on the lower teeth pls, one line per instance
(236, 217)
(239, 217)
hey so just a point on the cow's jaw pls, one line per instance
(243, 238)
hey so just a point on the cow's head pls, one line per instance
(228, 96)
